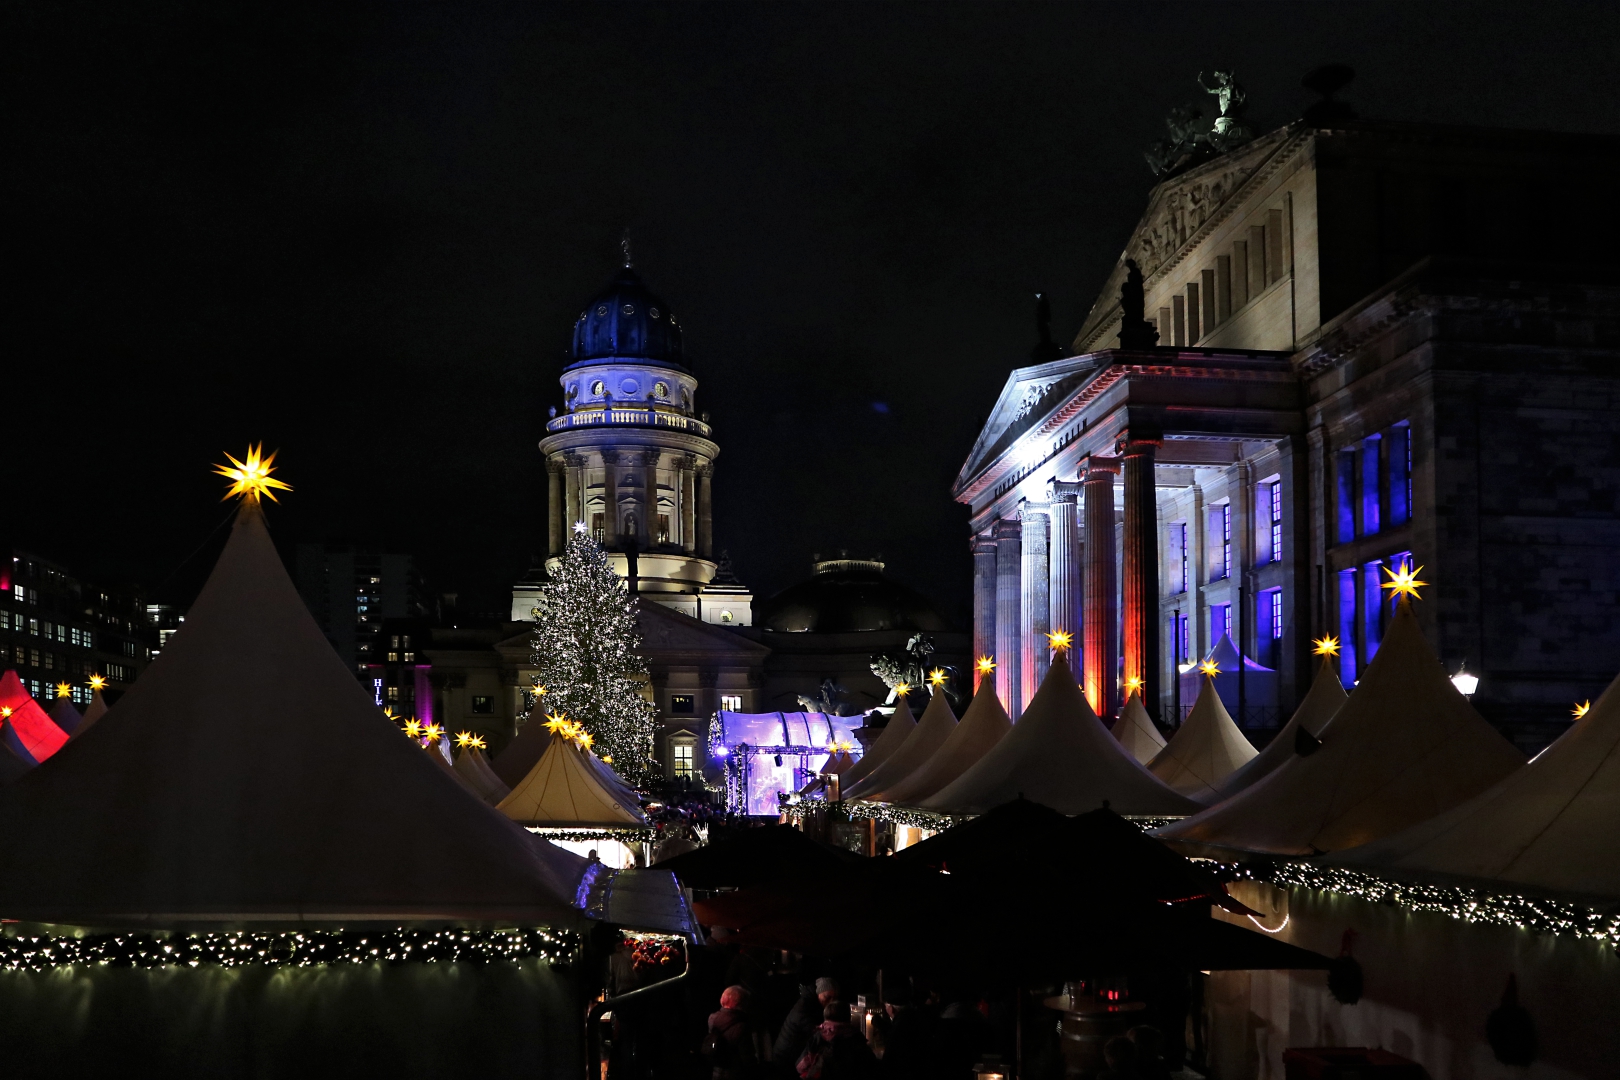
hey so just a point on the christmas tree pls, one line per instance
(587, 651)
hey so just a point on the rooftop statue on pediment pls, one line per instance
(1190, 143)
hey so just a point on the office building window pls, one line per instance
(682, 704)
(1220, 622)
(1274, 506)
(683, 754)
(483, 704)
(393, 693)
(731, 702)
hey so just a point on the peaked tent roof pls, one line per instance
(1059, 755)
(894, 733)
(1136, 730)
(563, 789)
(193, 802)
(982, 726)
(32, 734)
(1325, 697)
(1204, 751)
(923, 743)
(95, 711)
(1405, 747)
(1551, 826)
(518, 757)
(476, 773)
(65, 716)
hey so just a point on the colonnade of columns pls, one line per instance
(1054, 568)
(567, 498)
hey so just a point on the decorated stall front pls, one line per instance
(768, 755)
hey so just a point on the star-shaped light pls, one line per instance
(251, 477)
(1210, 668)
(1404, 581)
(431, 732)
(477, 743)
(607, 759)
(902, 689)
(97, 682)
(557, 723)
(64, 690)
(1060, 640)
(539, 690)
(985, 665)
(580, 527)
(5, 711)
(413, 729)
(1133, 684)
(464, 739)
(583, 740)
(1582, 709)
(1325, 646)
(937, 677)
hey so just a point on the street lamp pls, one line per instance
(1465, 683)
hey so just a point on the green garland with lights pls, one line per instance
(624, 836)
(21, 951)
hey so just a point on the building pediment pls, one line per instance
(666, 633)
(1027, 397)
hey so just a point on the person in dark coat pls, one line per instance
(911, 1045)
(801, 1023)
(836, 1050)
(733, 1043)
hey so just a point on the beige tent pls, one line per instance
(1136, 731)
(518, 757)
(564, 790)
(93, 712)
(983, 725)
(1552, 826)
(474, 770)
(247, 778)
(65, 716)
(934, 727)
(1059, 755)
(894, 733)
(1205, 750)
(1405, 747)
(1325, 697)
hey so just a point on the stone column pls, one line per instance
(1009, 565)
(1140, 615)
(1034, 648)
(984, 599)
(705, 511)
(649, 509)
(1063, 557)
(688, 466)
(610, 498)
(574, 493)
(557, 533)
(1101, 618)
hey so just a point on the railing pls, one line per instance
(658, 418)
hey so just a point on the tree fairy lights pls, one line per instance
(300, 948)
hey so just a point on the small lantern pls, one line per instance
(1465, 683)
(991, 1068)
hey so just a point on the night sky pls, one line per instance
(361, 234)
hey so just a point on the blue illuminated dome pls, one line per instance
(626, 321)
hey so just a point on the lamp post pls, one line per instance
(1465, 683)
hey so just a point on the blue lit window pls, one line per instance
(1400, 474)
(1274, 611)
(1346, 476)
(1220, 622)
(1371, 507)
(1347, 627)
(1275, 505)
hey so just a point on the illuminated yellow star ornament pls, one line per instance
(413, 729)
(558, 724)
(1582, 709)
(1326, 646)
(1132, 685)
(1404, 581)
(431, 732)
(97, 682)
(1060, 640)
(937, 677)
(902, 689)
(63, 690)
(251, 477)
(985, 665)
(1210, 668)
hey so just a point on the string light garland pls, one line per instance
(624, 836)
(304, 948)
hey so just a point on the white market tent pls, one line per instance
(1259, 682)
(894, 733)
(474, 770)
(1405, 747)
(246, 778)
(93, 712)
(982, 726)
(1205, 750)
(65, 716)
(1059, 755)
(517, 758)
(1136, 731)
(1325, 697)
(923, 743)
(565, 790)
(1551, 826)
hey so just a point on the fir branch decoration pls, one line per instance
(587, 652)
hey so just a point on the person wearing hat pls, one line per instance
(802, 1020)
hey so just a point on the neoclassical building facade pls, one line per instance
(1375, 343)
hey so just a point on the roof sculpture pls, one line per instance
(1205, 750)
(565, 789)
(474, 770)
(889, 740)
(193, 802)
(983, 725)
(1553, 825)
(1405, 747)
(31, 734)
(1325, 697)
(1059, 755)
(1136, 731)
(921, 745)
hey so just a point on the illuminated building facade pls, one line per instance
(1374, 342)
(56, 627)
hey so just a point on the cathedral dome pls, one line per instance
(626, 321)
(848, 596)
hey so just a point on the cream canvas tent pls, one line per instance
(518, 757)
(65, 716)
(894, 733)
(1059, 755)
(564, 790)
(983, 725)
(1551, 826)
(1325, 697)
(474, 770)
(1405, 747)
(1136, 731)
(93, 712)
(1204, 751)
(923, 743)
(246, 778)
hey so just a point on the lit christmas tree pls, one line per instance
(587, 651)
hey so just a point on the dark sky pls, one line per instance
(361, 234)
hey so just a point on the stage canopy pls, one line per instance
(983, 725)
